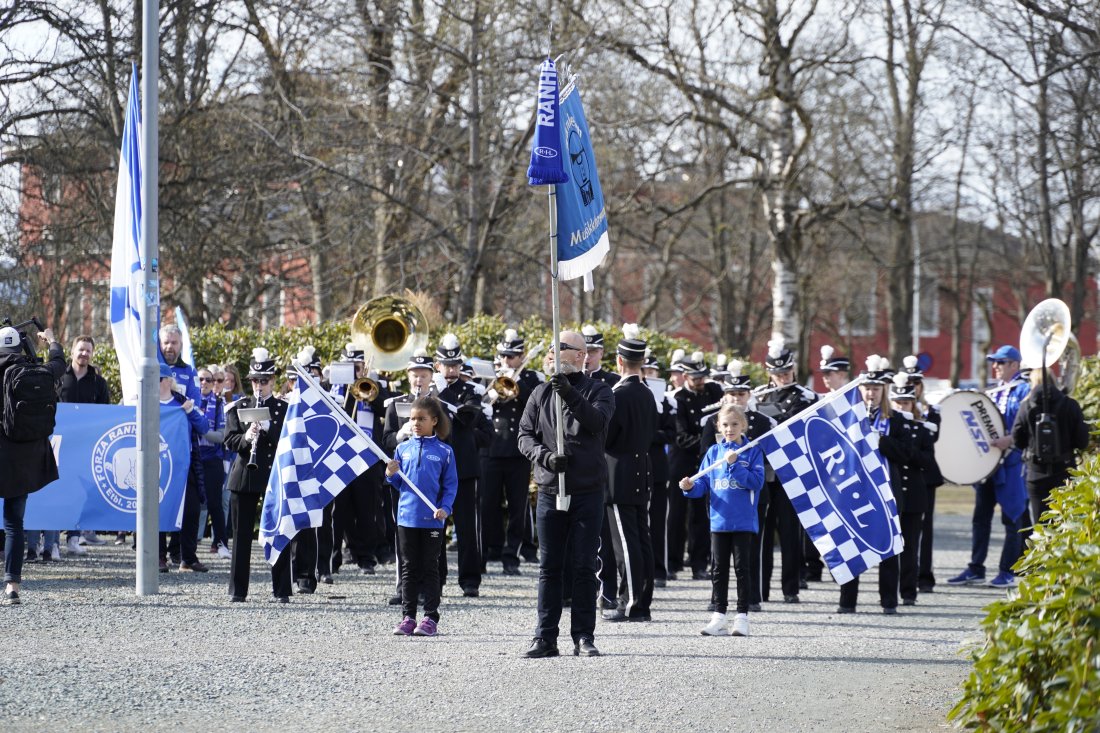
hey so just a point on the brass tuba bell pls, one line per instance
(389, 329)
(1046, 339)
(365, 389)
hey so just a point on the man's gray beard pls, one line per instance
(566, 369)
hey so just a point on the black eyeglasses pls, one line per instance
(259, 380)
(206, 379)
(567, 347)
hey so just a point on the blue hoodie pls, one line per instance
(733, 488)
(430, 464)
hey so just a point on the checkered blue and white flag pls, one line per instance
(828, 462)
(319, 453)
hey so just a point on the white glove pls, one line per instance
(405, 432)
(493, 396)
(439, 381)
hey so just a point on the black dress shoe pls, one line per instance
(395, 600)
(926, 588)
(512, 570)
(700, 575)
(908, 601)
(670, 576)
(659, 583)
(641, 618)
(755, 608)
(540, 648)
(803, 585)
(614, 616)
(326, 579)
(306, 587)
(845, 609)
(584, 647)
(366, 570)
(281, 599)
(471, 592)
(236, 599)
(790, 599)
(890, 611)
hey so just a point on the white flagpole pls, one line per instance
(148, 410)
(555, 309)
(805, 411)
(338, 410)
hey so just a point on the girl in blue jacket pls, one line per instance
(430, 465)
(734, 488)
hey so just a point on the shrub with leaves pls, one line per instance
(1087, 391)
(1039, 667)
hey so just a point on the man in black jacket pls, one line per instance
(587, 407)
(629, 435)
(1071, 433)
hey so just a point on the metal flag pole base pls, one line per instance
(562, 504)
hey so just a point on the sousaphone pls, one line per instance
(389, 329)
(1046, 339)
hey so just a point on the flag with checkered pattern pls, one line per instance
(318, 455)
(828, 462)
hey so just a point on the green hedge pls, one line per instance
(1039, 666)
(478, 336)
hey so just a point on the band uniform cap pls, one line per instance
(420, 360)
(901, 388)
(651, 361)
(833, 362)
(9, 339)
(738, 383)
(449, 350)
(910, 365)
(593, 339)
(466, 369)
(351, 353)
(781, 363)
(696, 366)
(261, 364)
(511, 344)
(1005, 353)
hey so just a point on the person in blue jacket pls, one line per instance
(430, 465)
(733, 479)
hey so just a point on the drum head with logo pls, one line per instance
(970, 422)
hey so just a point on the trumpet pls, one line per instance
(506, 387)
(365, 389)
(389, 329)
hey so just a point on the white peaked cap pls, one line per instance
(260, 354)
(775, 347)
(449, 341)
(630, 331)
(589, 330)
(735, 367)
(826, 352)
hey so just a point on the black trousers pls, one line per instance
(467, 524)
(420, 549)
(359, 511)
(245, 509)
(504, 480)
(925, 576)
(699, 534)
(756, 547)
(781, 516)
(887, 586)
(185, 543)
(909, 560)
(634, 556)
(658, 535)
(811, 559)
(327, 544)
(303, 553)
(607, 568)
(581, 526)
(723, 545)
(1038, 494)
(676, 526)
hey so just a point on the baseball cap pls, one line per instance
(1005, 353)
(9, 339)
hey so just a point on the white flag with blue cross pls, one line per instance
(318, 455)
(828, 462)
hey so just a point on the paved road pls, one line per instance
(84, 653)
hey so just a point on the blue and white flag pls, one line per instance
(582, 218)
(97, 464)
(547, 162)
(187, 353)
(828, 462)
(319, 453)
(126, 269)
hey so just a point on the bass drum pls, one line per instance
(969, 423)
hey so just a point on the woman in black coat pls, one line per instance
(28, 465)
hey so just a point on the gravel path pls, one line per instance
(84, 652)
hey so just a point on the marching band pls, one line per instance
(658, 434)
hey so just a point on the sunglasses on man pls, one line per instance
(567, 347)
(259, 380)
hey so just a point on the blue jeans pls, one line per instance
(581, 526)
(14, 543)
(985, 503)
(50, 538)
